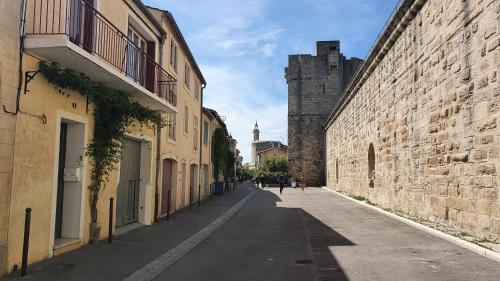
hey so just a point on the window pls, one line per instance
(136, 65)
(171, 125)
(196, 90)
(187, 75)
(186, 119)
(205, 132)
(173, 54)
(195, 132)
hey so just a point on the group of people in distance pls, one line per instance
(282, 180)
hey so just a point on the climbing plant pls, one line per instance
(220, 147)
(114, 113)
(229, 169)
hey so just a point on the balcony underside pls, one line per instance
(58, 48)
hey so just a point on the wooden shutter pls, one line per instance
(150, 67)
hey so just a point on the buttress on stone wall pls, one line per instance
(430, 108)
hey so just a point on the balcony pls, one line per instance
(75, 35)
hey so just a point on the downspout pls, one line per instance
(22, 24)
(201, 143)
(158, 144)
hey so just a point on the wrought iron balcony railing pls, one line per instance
(88, 28)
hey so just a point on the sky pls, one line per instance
(242, 48)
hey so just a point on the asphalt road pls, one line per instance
(317, 235)
(310, 235)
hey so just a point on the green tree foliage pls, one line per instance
(230, 172)
(275, 165)
(220, 148)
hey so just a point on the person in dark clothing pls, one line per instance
(281, 180)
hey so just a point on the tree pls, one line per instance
(275, 165)
(229, 172)
(220, 147)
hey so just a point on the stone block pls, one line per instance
(462, 157)
(479, 154)
(486, 169)
(488, 125)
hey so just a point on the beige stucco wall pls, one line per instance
(9, 46)
(34, 177)
(430, 108)
(33, 152)
(181, 149)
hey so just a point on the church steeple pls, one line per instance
(256, 132)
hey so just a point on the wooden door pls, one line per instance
(127, 205)
(183, 192)
(166, 185)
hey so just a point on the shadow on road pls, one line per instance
(319, 237)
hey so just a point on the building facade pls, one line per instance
(45, 130)
(211, 120)
(180, 152)
(265, 149)
(9, 65)
(417, 130)
(315, 85)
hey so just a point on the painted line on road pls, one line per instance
(157, 266)
(492, 255)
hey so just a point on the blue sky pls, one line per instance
(242, 48)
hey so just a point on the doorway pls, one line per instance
(127, 203)
(183, 186)
(68, 200)
(168, 185)
(371, 165)
(81, 24)
(193, 187)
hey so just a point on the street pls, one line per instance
(317, 235)
(310, 235)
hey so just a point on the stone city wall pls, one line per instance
(429, 105)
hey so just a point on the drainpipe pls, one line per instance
(201, 143)
(22, 24)
(158, 144)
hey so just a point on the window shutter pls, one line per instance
(150, 67)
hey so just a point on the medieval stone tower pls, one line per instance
(315, 85)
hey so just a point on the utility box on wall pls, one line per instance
(72, 174)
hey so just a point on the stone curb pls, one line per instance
(447, 237)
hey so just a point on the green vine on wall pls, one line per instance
(220, 147)
(114, 113)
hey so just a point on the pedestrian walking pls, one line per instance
(281, 180)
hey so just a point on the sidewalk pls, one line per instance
(132, 250)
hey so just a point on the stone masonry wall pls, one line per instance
(431, 110)
(315, 84)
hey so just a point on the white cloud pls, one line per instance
(235, 92)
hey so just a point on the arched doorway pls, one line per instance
(193, 186)
(371, 165)
(169, 180)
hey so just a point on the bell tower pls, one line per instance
(256, 132)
